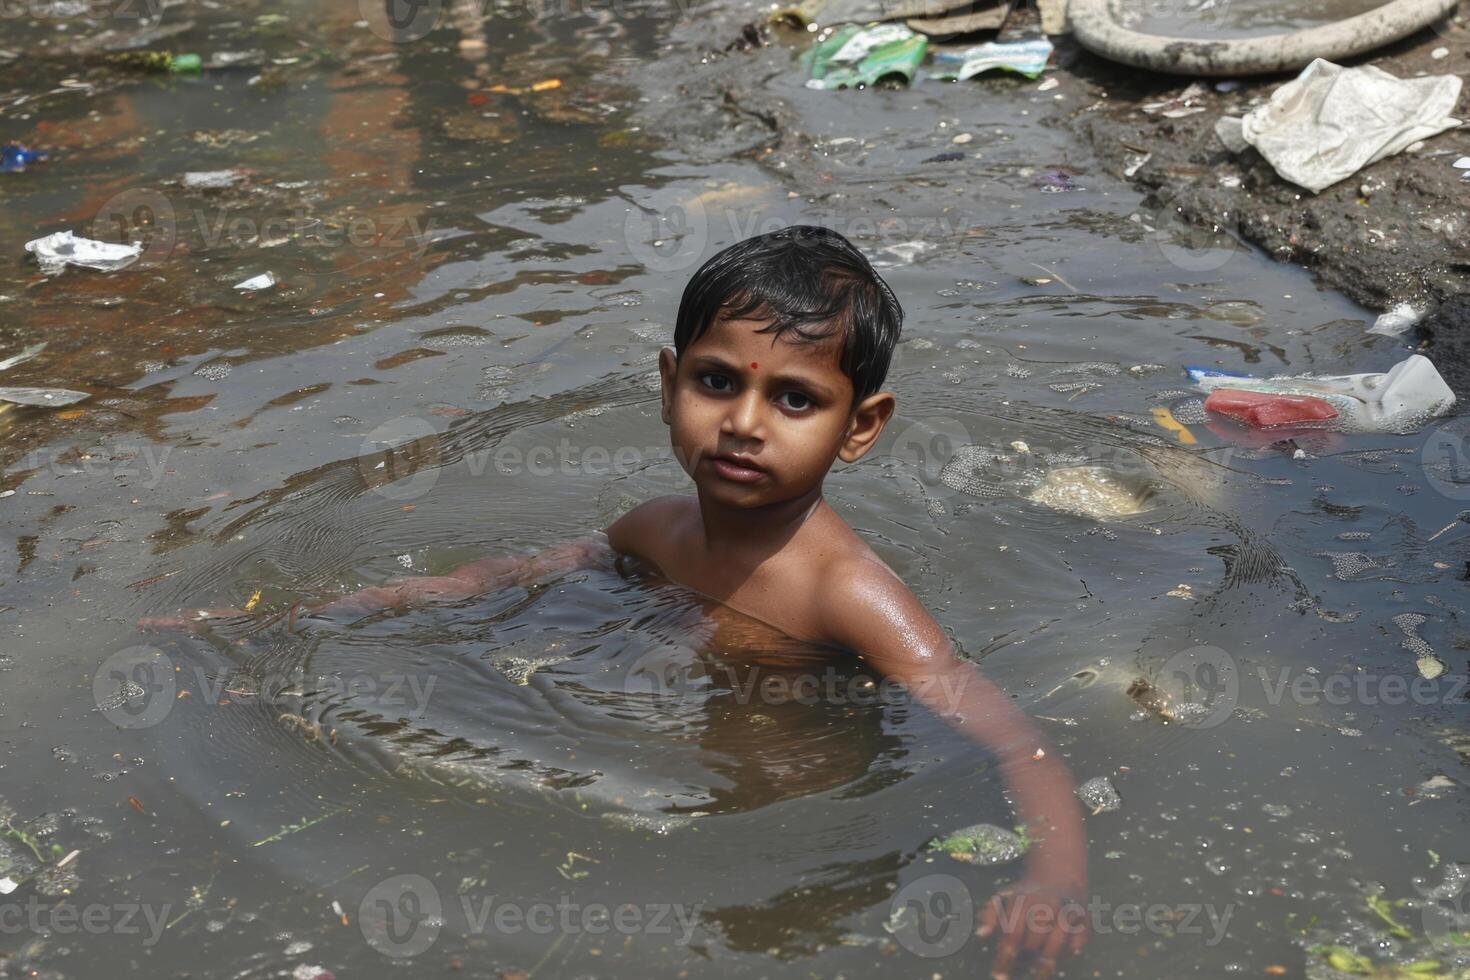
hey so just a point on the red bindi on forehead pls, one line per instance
(753, 365)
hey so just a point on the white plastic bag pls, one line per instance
(1330, 122)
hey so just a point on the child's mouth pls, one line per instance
(731, 470)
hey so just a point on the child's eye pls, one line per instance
(799, 403)
(719, 379)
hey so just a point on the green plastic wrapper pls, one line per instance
(859, 56)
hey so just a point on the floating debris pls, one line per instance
(42, 397)
(1100, 794)
(56, 251)
(983, 844)
(1093, 492)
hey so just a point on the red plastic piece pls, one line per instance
(1267, 411)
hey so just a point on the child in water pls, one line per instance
(781, 344)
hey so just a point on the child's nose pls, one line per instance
(745, 417)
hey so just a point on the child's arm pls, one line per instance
(874, 614)
(473, 578)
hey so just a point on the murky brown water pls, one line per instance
(476, 272)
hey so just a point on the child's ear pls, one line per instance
(868, 419)
(668, 366)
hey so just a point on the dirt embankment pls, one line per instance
(1397, 231)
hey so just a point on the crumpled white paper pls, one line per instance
(56, 252)
(1330, 122)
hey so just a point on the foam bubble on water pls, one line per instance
(1348, 565)
(1080, 387)
(1191, 412)
(1106, 368)
(1089, 491)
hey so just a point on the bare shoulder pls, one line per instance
(869, 609)
(642, 530)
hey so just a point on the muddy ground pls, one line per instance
(1398, 231)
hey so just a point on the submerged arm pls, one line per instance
(472, 578)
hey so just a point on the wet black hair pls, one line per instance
(813, 284)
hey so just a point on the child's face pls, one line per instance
(785, 408)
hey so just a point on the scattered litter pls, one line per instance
(1186, 103)
(8, 885)
(1093, 492)
(235, 59)
(1027, 58)
(1399, 400)
(1462, 164)
(950, 156)
(1330, 122)
(960, 139)
(965, 22)
(45, 397)
(545, 85)
(1053, 17)
(15, 157)
(1055, 180)
(1439, 53)
(57, 251)
(982, 843)
(1430, 666)
(860, 56)
(1227, 85)
(906, 252)
(1100, 794)
(1135, 162)
(1266, 411)
(1397, 320)
(263, 281)
(211, 180)
(1198, 374)
(1048, 85)
(157, 61)
(1165, 420)
(23, 356)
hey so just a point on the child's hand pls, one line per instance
(1042, 915)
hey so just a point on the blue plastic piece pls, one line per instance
(1197, 373)
(14, 158)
